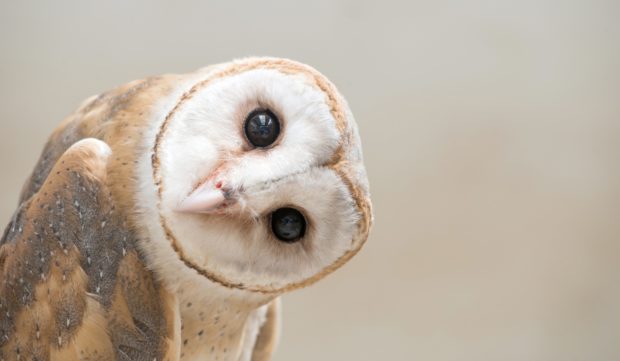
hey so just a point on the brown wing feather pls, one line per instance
(98, 117)
(73, 285)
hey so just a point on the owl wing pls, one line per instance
(268, 334)
(73, 285)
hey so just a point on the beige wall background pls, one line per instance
(492, 140)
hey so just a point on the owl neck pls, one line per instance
(218, 323)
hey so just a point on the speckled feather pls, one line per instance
(72, 235)
(71, 275)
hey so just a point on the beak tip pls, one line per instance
(201, 201)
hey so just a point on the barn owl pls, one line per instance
(165, 218)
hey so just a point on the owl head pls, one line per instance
(254, 179)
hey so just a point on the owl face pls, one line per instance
(258, 177)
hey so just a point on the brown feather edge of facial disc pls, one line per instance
(338, 163)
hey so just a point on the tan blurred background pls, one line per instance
(492, 140)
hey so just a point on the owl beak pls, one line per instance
(206, 199)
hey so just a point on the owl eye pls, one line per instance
(288, 225)
(262, 128)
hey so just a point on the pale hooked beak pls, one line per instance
(207, 198)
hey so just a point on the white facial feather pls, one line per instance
(205, 139)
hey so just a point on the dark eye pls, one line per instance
(288, 225)
(262, 128)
